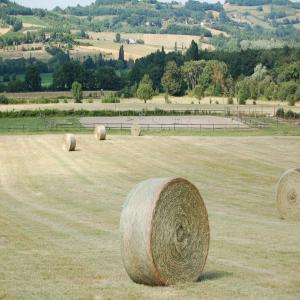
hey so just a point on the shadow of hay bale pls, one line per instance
(213, 275)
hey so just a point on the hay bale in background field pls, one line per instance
(288, 195)
(136, 129)
(69, 142)
(100, 132)
(165, 232)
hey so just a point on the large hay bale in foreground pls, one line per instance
(100, 132)
(69, 142)
(165, 232)
(288, 195)
(136, 129)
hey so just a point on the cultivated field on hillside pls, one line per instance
(166, 40)
(14, 53)
(252, 15)
(59, 215)
(111, 50)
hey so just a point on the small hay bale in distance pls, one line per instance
(69, 142)
(136, 129)
(165, 232)
(288, 195)
(100, 132)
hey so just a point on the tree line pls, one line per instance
(251, 74)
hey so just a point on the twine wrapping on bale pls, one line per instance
(69, 142)
(165, 232)
(288, 195)
(100, 132)
(136, 129)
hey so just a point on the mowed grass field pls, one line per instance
(59, 215)
(166, 40)
(104, 42)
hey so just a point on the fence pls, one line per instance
(175, 126)
(125, 126)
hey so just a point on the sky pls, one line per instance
(62, 3)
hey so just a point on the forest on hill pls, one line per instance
(238, 24)
(252, 74)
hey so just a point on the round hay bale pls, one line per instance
(69, 142)
(165, 232)
(100, 132)
(136, 129)
(288, 195)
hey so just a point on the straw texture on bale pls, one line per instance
(136, 129)
(165, 232)
(69, 142)
(100, 132)
(288, 195)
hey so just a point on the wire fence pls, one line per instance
(126, 126)
(161, 126)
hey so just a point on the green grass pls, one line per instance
(33, 20)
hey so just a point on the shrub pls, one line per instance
(242, 101)
(3, 99)
(167, 100)
(145, 90)
(291, 100)
(77, 91)
(199, 92)
(230, 100)
(280, 113)
(111, 99)
(290, 114)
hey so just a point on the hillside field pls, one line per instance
(59, 215)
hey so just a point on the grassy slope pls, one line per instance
(59, 216)
(34, 20)
(257, 17)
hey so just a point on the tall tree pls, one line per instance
(193, 52)
(145, 89)
(192, 71)
(33, 79)
(172, 79)
(118, 37)
(77, 91)
(121, 53)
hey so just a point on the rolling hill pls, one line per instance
(237, 24)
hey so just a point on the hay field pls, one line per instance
(166, 40)
(59, 215)
(14, 54)
(111, 50)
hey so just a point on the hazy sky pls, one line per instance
(62, 3)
